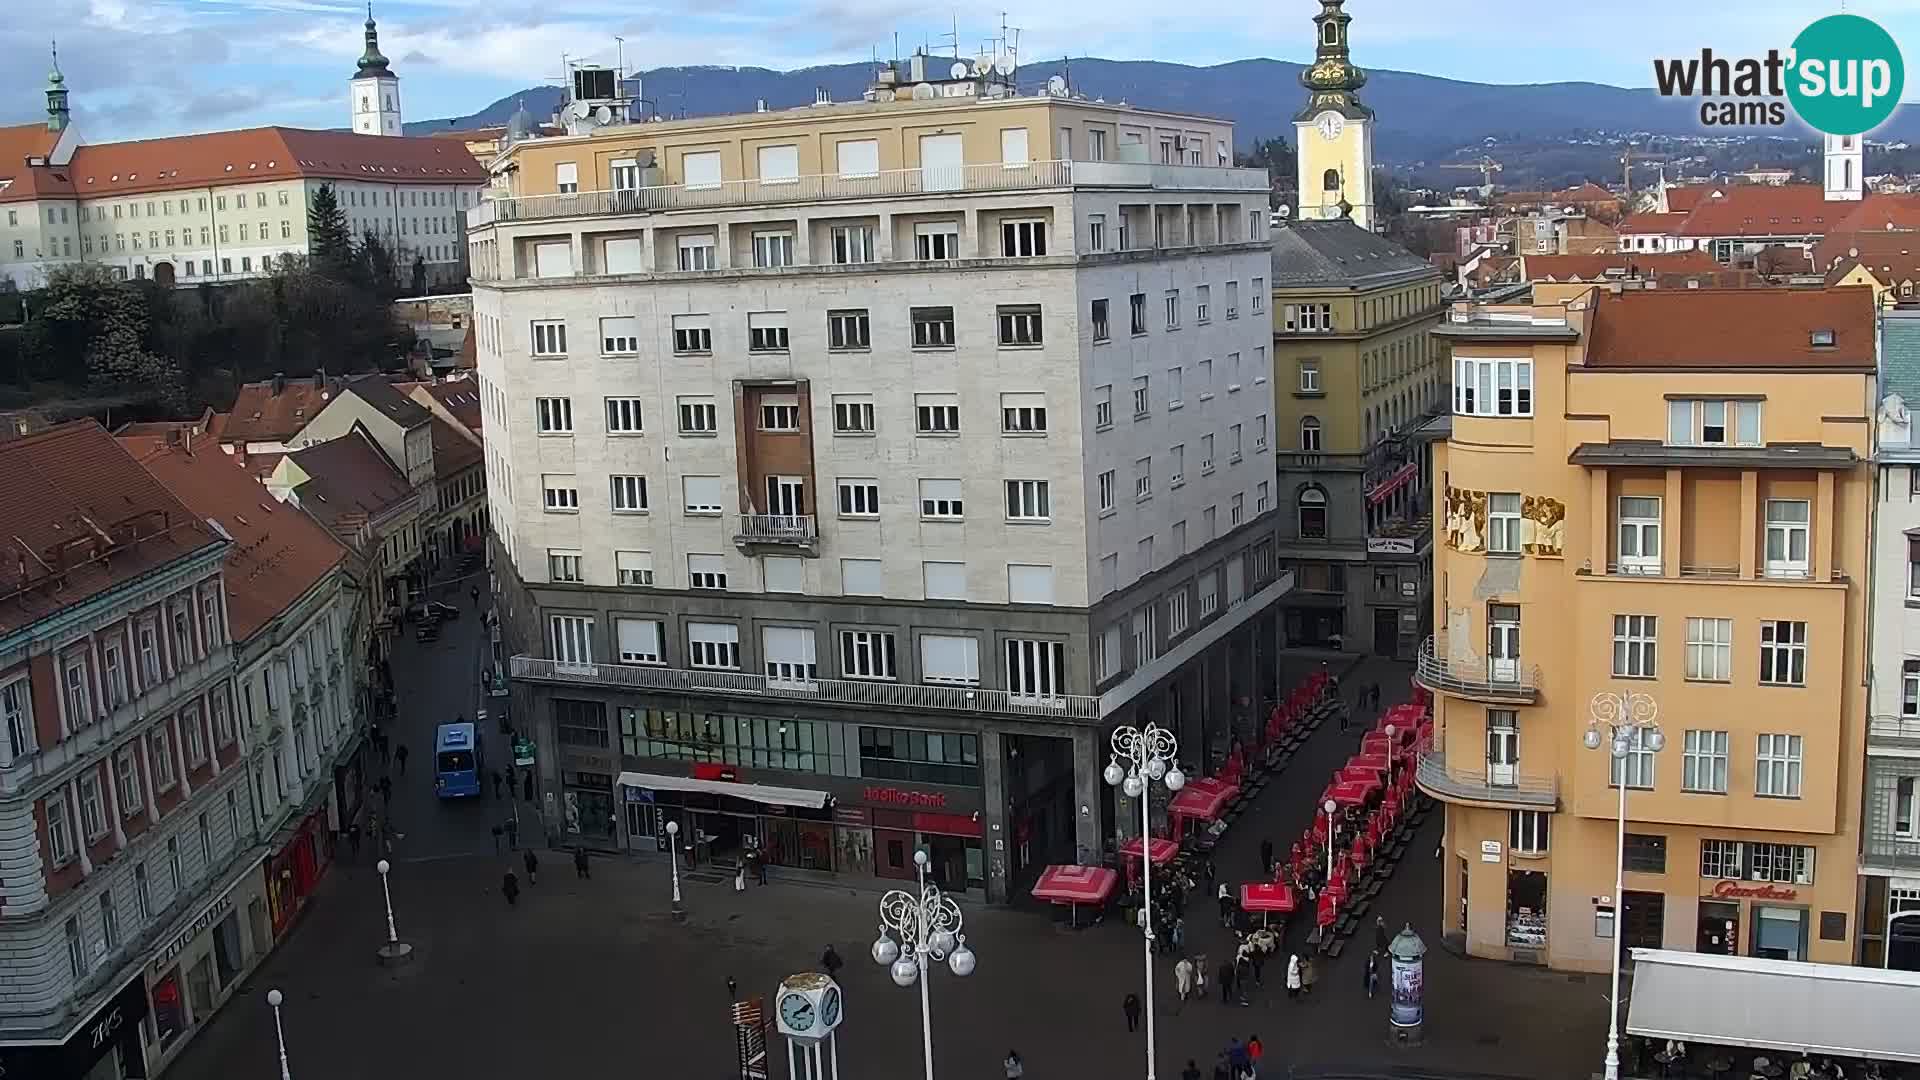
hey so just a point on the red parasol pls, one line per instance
(1163, 849)
(1075, 884)
(1347, 793)
(1266, 896)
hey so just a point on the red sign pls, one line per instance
(893, 796)
(1733, 890)
(707, 770)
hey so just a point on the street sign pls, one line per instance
(523, 751)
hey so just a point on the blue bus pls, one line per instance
(457, 761)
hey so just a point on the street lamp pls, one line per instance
(1149, 755)
(1391, 732)
(927, 925)
(1631, 720)
(673, 861)
(1329, 807)
(274, 998)
(395, 950)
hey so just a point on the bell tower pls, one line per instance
(374, 93)
(1333, 132)
(1845, 163)
(58, 117)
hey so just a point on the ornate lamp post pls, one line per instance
(1149, 756)
(395, 950)
(1391, 732)
(1328, 808)
(927, 925)
(673, 860)
(274, 998)
(1631, 721)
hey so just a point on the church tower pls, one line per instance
(1845, 168)
(375, 89)
(1333, 134)
(57, 115)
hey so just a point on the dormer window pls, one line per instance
(1821, 339)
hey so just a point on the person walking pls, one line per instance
(1255, 1051)
(400, 757)
(1015, 1069)
(527, 790)
(1259, 960)
(497, 780)
(581, 871)
(1293, 976)
(497, 830)
(1226, 982)
(353, 838)
(1183, 981)
(1200, 977)
(510, 888)
(1307, 975)
(1191, 1072)
(533, 866)
(513, 833)
(475, 593)
(1372, 975)
(1266, 855)
(760, 865)
(1178, 935)
(831, 961)
(1380, 934)
(1236, 1056)
(1226, 905)
(1131, 1006)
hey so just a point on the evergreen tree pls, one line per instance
(419, 276)
(328, 236)
(377, 267)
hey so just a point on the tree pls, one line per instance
(106, 322)
(419, 276)
(328, 237)
(377, 267)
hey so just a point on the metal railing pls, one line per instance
(881, 695)
(1709, 571)
(1476, 676)
(777, 529)
(1894, 727)
(1879, 851)
(1484, 784)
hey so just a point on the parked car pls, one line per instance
(441, 610)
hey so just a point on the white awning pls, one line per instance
(760, 793)
(1775, 1005)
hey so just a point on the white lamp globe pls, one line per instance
(920, 857)
(1656, 740)
(943, 941)
(962, 962)
(885, 950)
(1176, 779)
(1329, 806)
(904, 972)
(1392, 731)
(1133, 786)
(383, 866)
(1156, 768)
(1622, 744)
(274, 998)
(1592, 738)
(1114, 774)
(673, 828)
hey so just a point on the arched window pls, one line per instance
(1309, 435)
(1330, 180)
(1906, 288)
(1331, 32)
(1313, 513)
(1368, 428)
(1846, 174)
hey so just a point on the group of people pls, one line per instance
(510, 883)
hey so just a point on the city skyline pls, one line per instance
(213, 64)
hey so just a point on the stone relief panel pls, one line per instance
(1466, 520)
(1543, 525)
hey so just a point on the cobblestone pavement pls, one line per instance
(592, 978)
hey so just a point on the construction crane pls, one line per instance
(1486, 167)
(1627, 158)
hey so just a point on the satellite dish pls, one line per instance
(1057, 85)
(581, 109)
(959, 69)
(922, 92)
(603, 115)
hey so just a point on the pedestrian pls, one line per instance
(1131, 1006)
(1236, 1057)
(1373, 973)
(1259, 959)
(1220, 1071)
(831, 961)
(1179, 934)
(1255, 1051)
(527, 793)
(497, 780)
(1191, 1072)
(1307, 975)
(1183, 979)
(1226, 982)
(1200, 976)
(400, 757)
(1293, 976)
(733, 989)
(386, 787)
(510, 888)
(353, 838)
(1226, 905)
(1380, 934)
(740, 877)
(533, 866)
(513, 833)
(497, 830)
(581, 871)
(475, 593)
(1015, 1070)
(760, 866)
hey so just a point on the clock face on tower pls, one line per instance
(796, 1012)
(1330, 124)
(830, 1007)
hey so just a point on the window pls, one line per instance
(1104, 485)
(633, 569)
(862, 577)
(1720, 859)
(1787, 863)
(932, 327)
(1019, 325)
(1634, 648)
(16, 714)
(1176, 465)
(1713, 423)
(1098, 317)
(211, 622)
(1258, 295)
(706, 571)
(1096, 144)
(1142, 397)
(76, 950)
(560, 494)
(780, 414)
(1703, 762)
(697, 252)
(1036, 668)
(1236, 510)
(160, 755)
(1143, 478)
(1263, 500)
(625, 173)
(1023, 238)
(619, 335)
(692, 334)
(554, 415)
(1637, 766)
(629, 493)
(936, 414)
(1640, 535)
(867, 654)
(1137, 305)
(853, 415)
(1102, 407)
(767, 331)
(1309, 434)
(936, 240)
(1644, 854)
(1776, 771)
(74, 689)
(1310, 376)
(1910, 688)
(697, 416)
(1027, 501)
(848, 330)
(1171, 304)
(1905, 823)
(1307, 318)
(1023, 414)
(623, 416)
(1206, 454)
(927, 757)
(1783, 652)
(1913, 551)
(93, 810)
(1787, 536)
(781, 573)
(205, 827)
(772, 249)
(1527, 830)
(1503, 523)
(702, 494)
(1492, 387)
(1097, 233)
(852, 243)
(564, 566)
(1233, 444)
(859, 498)
(944, 580)
(786, 652)
(1710, 649)
(1202, 308)
(60, 845)
(940, 500)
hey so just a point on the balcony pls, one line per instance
(1883, 851)
(1476, 678)
(1896, 730)
(889, 184)
(1489, 785)
(747, 686)
(791, 533)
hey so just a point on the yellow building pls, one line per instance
(1665, 495)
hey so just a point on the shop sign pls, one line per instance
(852, 815)
(1390, 545)
(214, 913)
(86, 1046)
(522, 751)
(893, 796)
(1489, 851)
(1733, 890)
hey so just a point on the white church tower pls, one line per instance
(1333, 134)
(375, 89)
(1845, 167)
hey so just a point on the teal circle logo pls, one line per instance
(1845, 76)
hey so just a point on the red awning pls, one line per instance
(1203, 804)
(1163, 849)
(1075, 884)
(1348, 793)
(1266, 896)
(1374, 760)
(1367, 779)
(1392, 483)
(1210, 784)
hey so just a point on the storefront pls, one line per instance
(586, 811)
(104, 1046)
(1774, 920)
(200, 963)
(349, 782)
(301, 854)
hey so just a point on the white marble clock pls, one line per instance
(807, 1006)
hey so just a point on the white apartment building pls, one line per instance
(887, 452)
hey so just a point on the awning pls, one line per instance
(1775, 1005)
(1163, 849)
(1075, 884)
(760, 793)
(1204, 804)
(1266, 896)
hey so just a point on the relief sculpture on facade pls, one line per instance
(1543, 525)
(1466, 520)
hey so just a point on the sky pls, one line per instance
(142, 68)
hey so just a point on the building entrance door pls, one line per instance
(1719, 929)
(1386, 631)
(1503, 643)
(895, 851)
(1643, 922)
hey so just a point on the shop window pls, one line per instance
(927, 757)
(1526, 909)
(1646, 854)
(580, 723)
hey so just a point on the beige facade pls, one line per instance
(1626, 511)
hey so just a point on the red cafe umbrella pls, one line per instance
(1266, 897)
(1370, 760)
(1075, 885)
(1163, 849)
(1347, 793)
(1367, 778)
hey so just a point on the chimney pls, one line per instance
(279, 382)
(759, 104)
(822, 96)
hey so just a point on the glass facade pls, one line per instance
(754, 742)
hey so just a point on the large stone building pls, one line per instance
(855, 468)
(1663, 494)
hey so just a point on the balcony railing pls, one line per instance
(792, 530)
(1476, 676)
(880, 695)
(889, 184)
(1879, 851)
(1905, 728)
(1485, 784)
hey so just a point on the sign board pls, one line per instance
(1489, 851)
(1391, 545)
(88, 1044)
(1734, 890)
(523, 751)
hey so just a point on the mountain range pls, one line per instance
(1419, 116)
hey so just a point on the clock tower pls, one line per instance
(1333, 134)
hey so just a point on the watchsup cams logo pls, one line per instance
(1843, 76)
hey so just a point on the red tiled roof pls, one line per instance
(80, 514)
(454, 451)
(18, 143)
(1880, 213)
(462, 399)
(1682, 198)
(1764, 210)
(260, 414)
(1663, 224)
(350, 481)
(279, 553)
(1595, 267)
(1737, 329)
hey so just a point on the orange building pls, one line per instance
(1665, 494)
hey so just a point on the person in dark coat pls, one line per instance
(527, 793)
(1380, 934)
(1266, 856)
(831, 961)
(497, 781)
(510, 888)
(475, 593)
(1226, 982)
(1372, 974)
(400, 757)
(386, 787)
(1131, 1006)
(580, 868)
(533, 866)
